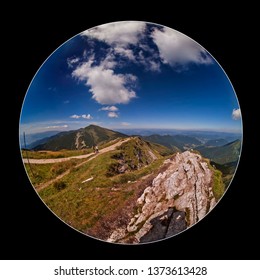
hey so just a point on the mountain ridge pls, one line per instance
(222, 154)
(92, 135)
(175, 142)
(79, 139)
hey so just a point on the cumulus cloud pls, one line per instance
(75, 116)
(151, 61)
(88, 117)
(109, 61)
(128, 53)
(154, 66)
(113, 111)
(118, 34)
(112, 115)
(106, 86)
(121, 36)
(100, 73)
(178, 50)
(129, 42)
(236, 114)
(109, 108)
(72, 61)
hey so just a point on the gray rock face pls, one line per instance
(79, 142)
(177, 198)
(165, 225)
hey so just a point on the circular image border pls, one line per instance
(131, 132)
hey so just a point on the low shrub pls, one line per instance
(59, 185)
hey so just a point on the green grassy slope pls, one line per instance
(174, 142)
(224, 154)
(82, 205)
(87, 137)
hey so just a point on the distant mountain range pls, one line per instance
(77, 139)
(175, 142)
(32, 139)
(216, 142)
(224, 154)
(218, 150)
(203, 136)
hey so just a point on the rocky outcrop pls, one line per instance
(132, 155)
(168, 224)
(178, 197)
(79, 143)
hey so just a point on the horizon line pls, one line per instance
(141, 128)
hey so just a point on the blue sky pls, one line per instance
(130, 75)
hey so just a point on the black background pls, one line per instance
(30, 231)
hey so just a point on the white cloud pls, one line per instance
(125, 123)
(56, 126)
(75, 116)
(109, 108)
(109, 61)
(72, 61)
(118, 34)
(84, 116)
(66, 102)
(128, 53)
(88, 117)
(36, 127)
(106, 86)
(236, 114)
(100, 73)
(154, 66)
(151, 62)
(178, 50)
(112, 115)
(113, 111)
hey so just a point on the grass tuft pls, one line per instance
(59, 185)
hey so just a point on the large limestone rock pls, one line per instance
(177, 198)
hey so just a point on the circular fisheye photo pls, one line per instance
(130, 132)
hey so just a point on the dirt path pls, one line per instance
(54, 160)
(102, 151)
